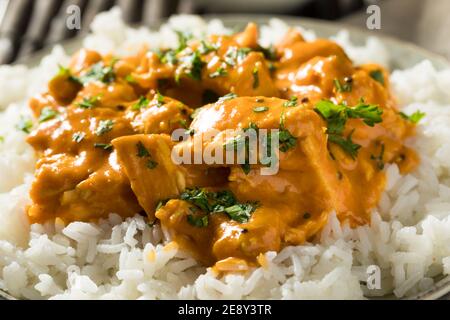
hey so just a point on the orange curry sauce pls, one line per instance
(103, 139)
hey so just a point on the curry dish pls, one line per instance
(103, 138)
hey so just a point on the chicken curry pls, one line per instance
(103, 138)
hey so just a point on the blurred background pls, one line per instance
(29, 25)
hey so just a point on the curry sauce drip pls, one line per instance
(103, 140)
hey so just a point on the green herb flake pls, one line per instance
(78, 137)
(220, 72)
(169, 57)
(88, 102)
(377, 75)
(207, 47)
(25, 124)
(104, 126)
(291, 103)
(183, 38)
(47, 114)
(235, 55)
(286, 140)
(198, 221)
(141, 150)
(98, 72)
(241, 212)
(336, 116)
(130, 79)
(415, 117)
(379, 158)
(151, 164)
(104, 146)
(191, 65)
(159, 99)
(268, 52)
(255, 73)
(260, 109)
(345, 87)
(142, 103)
(217, 202)
(345, 143)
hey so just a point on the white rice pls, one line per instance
(408, 239)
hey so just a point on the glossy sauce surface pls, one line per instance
(103, 130)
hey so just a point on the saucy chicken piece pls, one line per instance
(147, 158)
(215, 66)
(78, 176)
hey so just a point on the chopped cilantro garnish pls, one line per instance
(78, 137)
(183, 38)
(345, 87)
(377, 75)
(25, 124)
(291, 103)
(98, 72)
(206, 47)
(220, 72)
(336, 116)
(159, 99)
(47, 113)
(104, 126)
(286, 140)
(130, 79)
(151, 164)
(222, 201)
(169, 57)
(379, 158)
(415, 117)
(88, 102)
(240, 212)
(346, 144)
(255, 73)
(269, 52)
(192, 66)
(141, 150)
(235, 55)
(104, 146)
(198, 221)
(142, 103)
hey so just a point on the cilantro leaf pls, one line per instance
(415, 117)
(47, 113)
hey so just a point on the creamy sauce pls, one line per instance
(103, 141)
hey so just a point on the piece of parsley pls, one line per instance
(345, 87)
(104, 126)
(78, 137)
(25, 124)
(291, 103)
(415, 117)
(47, 114)
(142, 103)
(255, 73)
(88, 102)
(377, 75)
